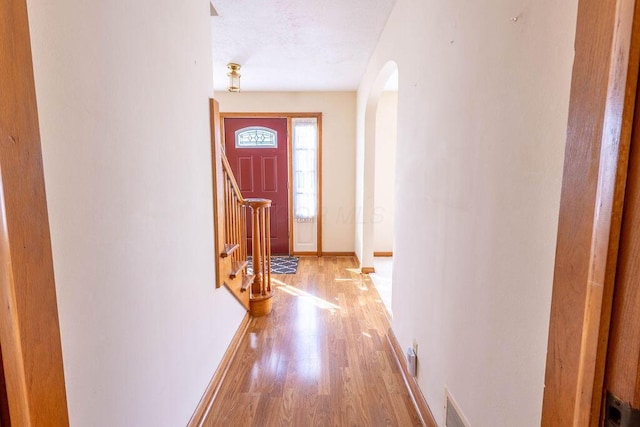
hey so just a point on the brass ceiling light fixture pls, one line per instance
(234, 77)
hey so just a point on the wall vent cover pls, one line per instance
(454, 417)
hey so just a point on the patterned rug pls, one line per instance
(279, 265)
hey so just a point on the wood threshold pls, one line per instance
(420, 403)
(367, 270)
(383, 254)
(204, 406)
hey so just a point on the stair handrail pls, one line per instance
(231, 177)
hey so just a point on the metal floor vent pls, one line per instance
(454, 417)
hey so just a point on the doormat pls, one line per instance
(279, 265)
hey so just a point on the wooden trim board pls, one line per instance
(29, 325)
(262, 115)
(218, 188)
(420, 403)
(290, 181)
(383, 254)
(305, 254)
(601, 106)
(204, 406)
(367, 270)
(319, 232)
(353, 254)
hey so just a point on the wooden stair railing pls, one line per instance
(254, 290)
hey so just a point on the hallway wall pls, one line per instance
(123, 92)
(338, 151)
(385, 176)
(483, 100)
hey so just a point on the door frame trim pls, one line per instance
(289, 117)
(601, 111)
(29, 324)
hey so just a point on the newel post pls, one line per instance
(261, 291)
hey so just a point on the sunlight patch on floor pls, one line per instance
(291, 290)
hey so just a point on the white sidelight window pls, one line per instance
(305, 173)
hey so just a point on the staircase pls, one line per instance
(231, 212)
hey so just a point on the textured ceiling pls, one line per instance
(294, 45)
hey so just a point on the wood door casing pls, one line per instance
(622, 375)
(29, 326)
(290, 116)
(263, 173)
(5, 419)
(601, 108)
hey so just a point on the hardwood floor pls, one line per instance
(320, 358)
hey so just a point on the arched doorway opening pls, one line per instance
(379, 179)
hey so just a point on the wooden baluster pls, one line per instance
(265, 247)
(257, 243)
(262, 248)
(234, 221)
(238, 230)
(227, 211)
(255, 217)
(234, 202)
(243, 230)
(268, 247)
(260, 237)
(226, 196)
(229, 219)
(243, 241)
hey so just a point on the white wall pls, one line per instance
(338, 151)
(385, 171)
(122, 92)
(483, 102)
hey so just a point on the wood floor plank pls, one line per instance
(321, 358)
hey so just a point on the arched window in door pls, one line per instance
(256, 137)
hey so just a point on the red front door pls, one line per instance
(257, 152)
